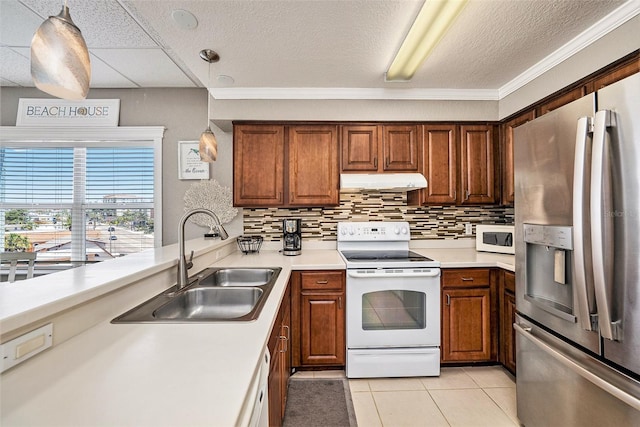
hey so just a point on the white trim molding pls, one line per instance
(354, 93)
(598, 30)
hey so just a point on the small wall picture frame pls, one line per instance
(189, 164)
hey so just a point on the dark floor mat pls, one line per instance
(319, 403)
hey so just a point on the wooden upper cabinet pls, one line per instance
(380, 148)
(478, 163)
(561, 100)
(400, 145)
(507, 155)
(313, 165)
(619, 73)
(258, 165)
(359, 148)
(439, 157)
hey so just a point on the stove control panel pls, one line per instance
(373, 230)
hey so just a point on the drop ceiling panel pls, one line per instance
(15, 67)
(17, 24)
(103, 23)
(151, 66)
(103, 76)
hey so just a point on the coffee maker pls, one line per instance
(292, 239)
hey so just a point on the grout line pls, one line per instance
(498, 405)
(439, 409)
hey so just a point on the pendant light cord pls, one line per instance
(208, 96)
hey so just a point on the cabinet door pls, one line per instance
(313, 166)
(466, 325)
(508, 334)
(507, 156)
(400, 148)
(322, 328)
(478, 164)
(439, 153)
(258, 165)
(285, 357)
(359, 148)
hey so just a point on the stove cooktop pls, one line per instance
(384, 256)
(393, 259)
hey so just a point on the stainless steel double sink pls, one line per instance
(214, 295)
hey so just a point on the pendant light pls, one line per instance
(208, 145)
(60, 64)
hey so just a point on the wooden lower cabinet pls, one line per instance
(318, 312)
(469, 320)
(507, 319)
(280, 368)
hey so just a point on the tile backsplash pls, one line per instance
(427, 222)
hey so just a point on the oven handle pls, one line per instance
(434, 272)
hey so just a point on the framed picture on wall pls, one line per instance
(189, 164)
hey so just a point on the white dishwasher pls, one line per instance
(260, 412)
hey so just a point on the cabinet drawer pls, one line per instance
(465, 278)
(509, 281)
(322, 280)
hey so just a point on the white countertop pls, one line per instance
(152, 374)
(160, 374)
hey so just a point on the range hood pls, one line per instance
(350, 182)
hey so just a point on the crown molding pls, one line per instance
(598, 30)
(354, 93)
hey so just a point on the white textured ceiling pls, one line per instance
(331, 48)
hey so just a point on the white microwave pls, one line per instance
(495, 238)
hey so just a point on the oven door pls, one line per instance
(393, 308)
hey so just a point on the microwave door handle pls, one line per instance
(585, 297)
(602, 223)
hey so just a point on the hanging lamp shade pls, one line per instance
(208, 146)
(60, 64)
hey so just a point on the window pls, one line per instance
(80, 199)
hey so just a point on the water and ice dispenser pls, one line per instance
(549, 251)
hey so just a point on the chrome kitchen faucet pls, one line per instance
(183, 265)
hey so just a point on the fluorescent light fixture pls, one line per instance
(60, 64)
(433, 20)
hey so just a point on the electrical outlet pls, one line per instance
(468, 229)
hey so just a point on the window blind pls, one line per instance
(42, 176)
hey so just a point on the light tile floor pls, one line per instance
(464, 397)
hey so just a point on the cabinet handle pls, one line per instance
(285, 338)
(448, 299)
(386, 162)
(467, 279)
(340, 303)
(375, 162)
(466, 197)
(280, 196)
(322, 282)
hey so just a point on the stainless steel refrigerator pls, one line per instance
(577, 213)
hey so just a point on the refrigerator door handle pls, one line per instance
(602, 224)
(585, 294)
